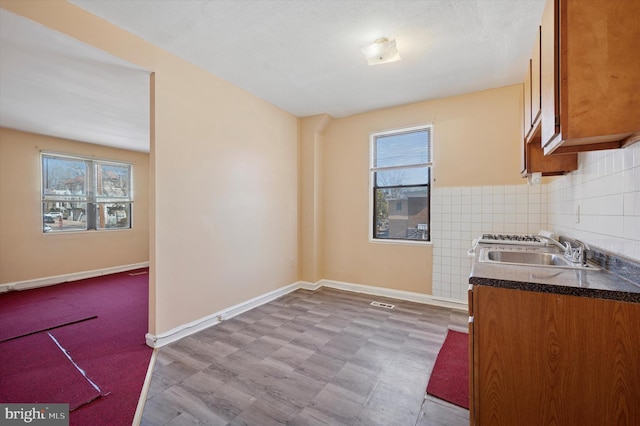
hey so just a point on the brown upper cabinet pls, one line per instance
(533, 158)
(532, 99)
(527, 103)
(590, 74)
(536, 101)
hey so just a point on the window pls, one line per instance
(400, 184)
(81, 194)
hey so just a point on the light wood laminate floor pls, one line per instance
(324, 357)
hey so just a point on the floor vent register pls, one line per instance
(383, 305)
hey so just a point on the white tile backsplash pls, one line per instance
(606, 187)
(461, 214)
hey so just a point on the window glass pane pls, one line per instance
(113, 181)
(60, 216)
(114, 215)
(400, 177)
(402, 213)
(403, 149)
(82, 194)
(63, 177)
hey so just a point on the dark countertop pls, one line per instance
(599, 284)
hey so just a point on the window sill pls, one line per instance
(400, 242)
(85, 231)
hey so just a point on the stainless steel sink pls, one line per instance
(529, 258)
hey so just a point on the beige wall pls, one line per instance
(25, 251)
(223, 175)
(245, 198)
(226, 195)
(310, 175)
(476, 141)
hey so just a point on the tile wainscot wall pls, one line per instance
(599, 204)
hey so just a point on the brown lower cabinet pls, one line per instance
(549, 359)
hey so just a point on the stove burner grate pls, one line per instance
(511, 239)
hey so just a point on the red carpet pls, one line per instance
(21, 314)
(53, 325)
(450, 376)
(110, 348)
(22, 372)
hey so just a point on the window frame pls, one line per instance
(90, 198)
(371, 222)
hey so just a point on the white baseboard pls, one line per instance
(175, 334)
(59, 279)
(137, 417)
(306, 285)
(159, 340)
(395, 294)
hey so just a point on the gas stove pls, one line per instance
(520, 239)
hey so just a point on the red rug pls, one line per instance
(109, 348)
(450, 376)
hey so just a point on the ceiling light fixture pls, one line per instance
(381, 52)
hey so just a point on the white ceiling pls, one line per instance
(304, 56)
(55, 85)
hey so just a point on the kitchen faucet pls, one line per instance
(575, 255)
(566, 248)
(579, 254)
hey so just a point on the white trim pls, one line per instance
(372, 170)
(82, 157)
(184, 330)
(410, 129)
(396, 294)
(398, 241)
(137, 418)
(59, 279)
(306, 285)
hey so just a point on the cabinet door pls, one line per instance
(533, 158)
(548, 165)
(599, 74)
(526, 122)
(471, 357)
(526, 128)
(543, 359)
(590, 79)
(549, 77)
(536, 105)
